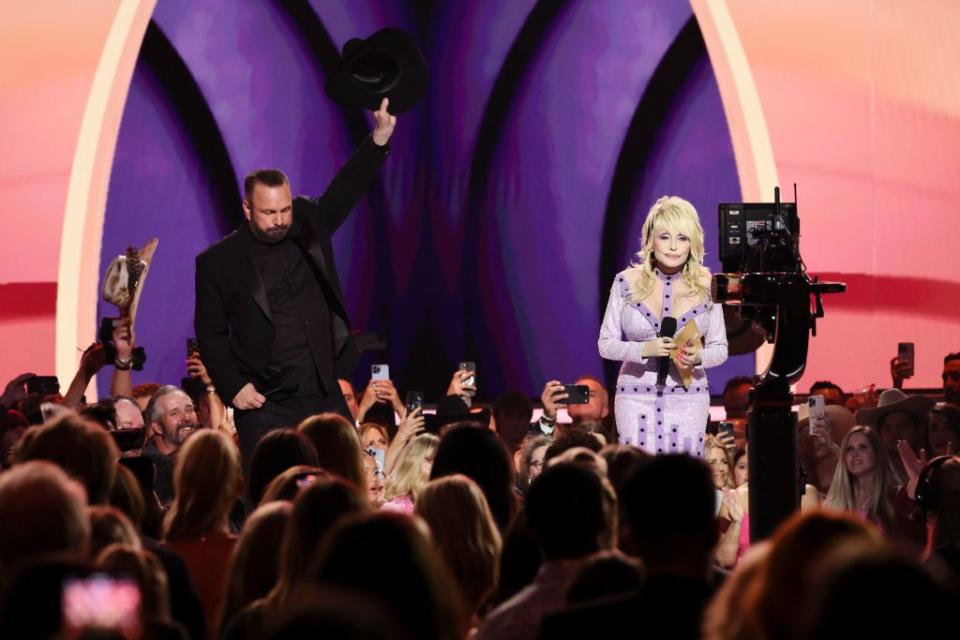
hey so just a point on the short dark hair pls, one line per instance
(515, 403)
(565, 511)
(678, 489)
(735, 382)
(951, 356)
(266, 177)
(825, 384)
(572, 438)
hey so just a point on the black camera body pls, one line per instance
(765, 280)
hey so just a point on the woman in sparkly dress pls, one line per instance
(669, 279)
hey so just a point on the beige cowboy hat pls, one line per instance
(124, 278)
(841, 419)
(895, 400)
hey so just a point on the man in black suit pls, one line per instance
(270, 317)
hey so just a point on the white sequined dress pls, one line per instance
(672, 419)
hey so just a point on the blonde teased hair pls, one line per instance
(408, 477)
(669, 212)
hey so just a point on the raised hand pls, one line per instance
(385, 124)
(553, 392)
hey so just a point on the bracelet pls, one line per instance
(211, 388)
(123, 364)
(551, 421)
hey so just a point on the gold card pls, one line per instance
(689, 336)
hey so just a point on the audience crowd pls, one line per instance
(136, 517)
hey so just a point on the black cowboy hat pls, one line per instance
(388, 64)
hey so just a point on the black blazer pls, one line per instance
(232, 318)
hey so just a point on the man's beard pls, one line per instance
(952, 395)
(182, 432)
(275, 235)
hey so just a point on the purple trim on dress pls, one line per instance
(642, 432)
(674, 429)
(659, 442)
(688, 445)
(643, 389)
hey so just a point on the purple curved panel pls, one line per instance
(160, 186)
(548, 187)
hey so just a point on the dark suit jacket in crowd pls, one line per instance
(232, 320)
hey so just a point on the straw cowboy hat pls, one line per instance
(123, 281)
(895, 400)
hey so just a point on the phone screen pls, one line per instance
(905, 353)
(379, 372)
(471, 380)
(414, 401)
(576, 394)
(101, 602)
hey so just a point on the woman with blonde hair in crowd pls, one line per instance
(463, 529)
(411, 473)
(338, 446)
(668, 284)
(720, 462)
(207, 481)
(864, 481)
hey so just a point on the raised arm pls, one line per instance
(353, 180)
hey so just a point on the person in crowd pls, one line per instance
(411, 426)
(940, 504)
(374, 479)
(49, 512)
(463, 530)
(832, 392)
(943, 429)
(741, 468)
(668, 280)
(885, 582)
(255, 563)
(476, 452)
(287, 485)
(520, 561)
(171, 418)
(207, 481)
(569, 439)
(411, 473)
(275, 453)
(211, 412)
(338, 446)
(147, 572)
(270, 317)
(736, 397)
(406, 574)
(670, 507)
(567, 512)
(898, 417)
(143, 392)
(597, 409)
(721, 465)
(774, 601)
(951, 378)
(80, 447)
(109, 525)
(380, 403)
(864, 481)
(725, 617)
(374, 436)
(512, 413)
(531, 461)
(605, 574)
(819, 442)
(950, 375)
(350, 397)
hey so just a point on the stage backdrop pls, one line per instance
(515, 192)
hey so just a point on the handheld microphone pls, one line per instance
(668, 327)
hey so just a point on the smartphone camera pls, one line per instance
(414, 401)
(192, 347)
(471, 367)
(576, 394)
(379, 372)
